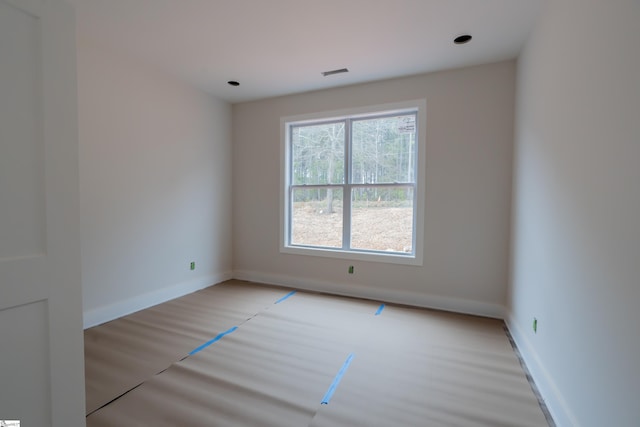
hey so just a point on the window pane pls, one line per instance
(382, 219)
(316, 217)
(317, 154)
(383, 150)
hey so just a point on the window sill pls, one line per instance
(381, 257)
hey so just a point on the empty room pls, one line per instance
(338, 213)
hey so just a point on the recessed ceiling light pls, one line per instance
(328, 73)
(233, 83)
(465, 38)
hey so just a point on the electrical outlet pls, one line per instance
(351, 269)
(535, 325)
(192, 266)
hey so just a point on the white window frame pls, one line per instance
(416, 258)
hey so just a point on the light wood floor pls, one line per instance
(241, 354)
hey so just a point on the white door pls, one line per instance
(41, 347)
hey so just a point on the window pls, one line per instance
(352, 184)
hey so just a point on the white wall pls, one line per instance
(468, 186)
(576, 214)
(155, 177)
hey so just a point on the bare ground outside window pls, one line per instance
(381, 226)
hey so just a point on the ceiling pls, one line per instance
(279, 47)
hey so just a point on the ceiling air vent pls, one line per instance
(332, 72)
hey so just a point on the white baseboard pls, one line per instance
(457, 305)
(556, 404)
(109, 312)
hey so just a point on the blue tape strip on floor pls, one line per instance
(285, 297)
(380, 309)
(336, 381)
(208, 343)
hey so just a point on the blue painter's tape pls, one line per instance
(380, 309)
(285, 297)
(336, 381)
(208, 343)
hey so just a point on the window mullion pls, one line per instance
(346, 192)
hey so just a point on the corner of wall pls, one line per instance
(110, 312)
(554, 400)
